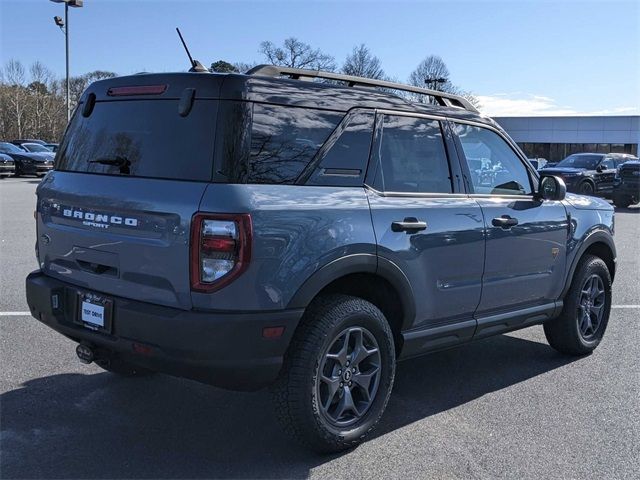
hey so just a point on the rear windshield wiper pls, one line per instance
(121, 162)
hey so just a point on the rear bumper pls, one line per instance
(221, 349)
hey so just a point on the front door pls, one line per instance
(605, 176)
(526, 238)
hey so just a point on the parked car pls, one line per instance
(37, 148)
(626, 186)
(28, 140)
(7, 166)
(588, 173)
(52, 146)
(267, 231)
(28, 163)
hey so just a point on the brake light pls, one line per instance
(136, 90)
(220, 249)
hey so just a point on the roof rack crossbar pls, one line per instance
(444, 99)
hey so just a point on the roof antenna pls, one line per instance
(196, 66)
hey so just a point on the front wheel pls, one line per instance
(337, 375)
(586, 188)
(581, 325)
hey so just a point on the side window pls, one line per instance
(608, 164)
(345, 161)
(283, 141)
(495, 168)
(412, 157)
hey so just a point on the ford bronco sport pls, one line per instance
(260, 230)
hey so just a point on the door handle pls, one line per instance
(409, 225)
(504, 221)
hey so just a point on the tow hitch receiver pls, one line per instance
(85, 353)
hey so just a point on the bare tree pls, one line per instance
(433, 73)
(15, 96)
(297, 54)
(38, 89)
(243, 67)
(33, 104)
(362, 63)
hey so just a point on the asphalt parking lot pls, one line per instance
(506, 407)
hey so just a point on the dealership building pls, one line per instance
(553, 138)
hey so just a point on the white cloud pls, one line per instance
(518, 104)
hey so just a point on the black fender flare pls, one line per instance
(358, 263)
(597, 236)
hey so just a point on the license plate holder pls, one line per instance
(95, 312)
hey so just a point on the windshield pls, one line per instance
(9, 148)
(34, 147)
(581, 161)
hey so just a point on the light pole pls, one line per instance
(432, 83)
(64, 26)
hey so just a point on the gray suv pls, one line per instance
(260, 230)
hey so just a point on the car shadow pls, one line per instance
(102, 426)
(627, 210)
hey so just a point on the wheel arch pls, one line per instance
(366, 276)
(598, 243)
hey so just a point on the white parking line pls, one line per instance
(28, 314)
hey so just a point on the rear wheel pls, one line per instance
(337, 375)
(586, 188)
(585, 315)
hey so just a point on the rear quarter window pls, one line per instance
(344, 161)
(141, 138)
(282, 141)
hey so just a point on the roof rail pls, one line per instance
(444, 99)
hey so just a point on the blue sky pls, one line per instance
(519, 57)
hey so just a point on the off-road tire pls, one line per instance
(564, 333)
(295, 392)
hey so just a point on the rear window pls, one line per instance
(282, 142)
(142, 138)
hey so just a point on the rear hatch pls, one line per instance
(115, 215)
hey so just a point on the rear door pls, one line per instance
(526, 238)
(114, 216)
(427, 226)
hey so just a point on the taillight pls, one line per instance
(220, 249)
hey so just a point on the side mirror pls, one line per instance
(599, 168)
(551, 188)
